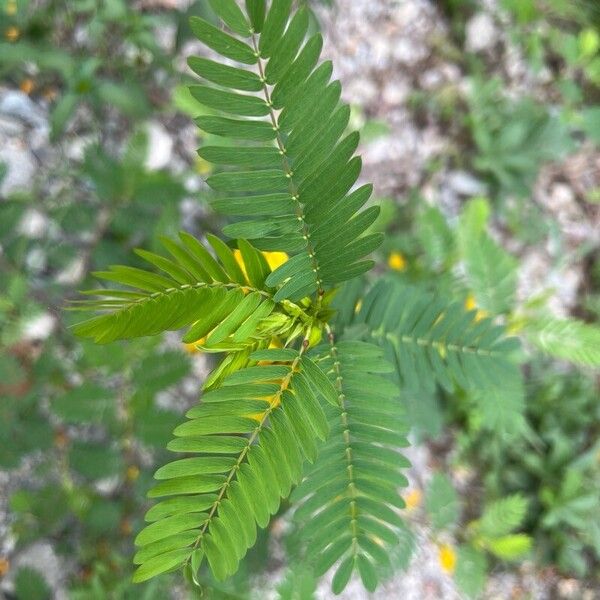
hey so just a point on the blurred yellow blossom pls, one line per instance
(471, 304)
(4, 566)
(27, 86)
(192, 347)
(396, 261)
(447, 558)
(203, 167)
(274, 259)
(12, 34)
(413, 499)
(132, 473)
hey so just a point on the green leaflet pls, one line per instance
(432, 341)
(567, 339)
(266, 411)
(345, 512)
(257, 157)
(221, 42)
(230, 102)
(274, 26)
(274, 205)
(197, 290)
(259, 131)
(256, 11)
(308, 164)
(285, 51)
(234, 18)
(222, 498)
(225, 75)
(262, 182)
(298, 71)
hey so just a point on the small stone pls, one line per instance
(481, 33)
(21, 166)
(40, 327)
(73, 273)
(160, 146)
(33, 224)
(17, 104)
(465, 184)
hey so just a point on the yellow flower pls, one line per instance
(413, 499)
(4, 566)
(11, 7)
(203, 167)
(274, 259)
(447, 558)
(125, 527)
(12, 34)
(471, 304)
(192, 348)
(27, 86)
(132, 473)
(396, 261)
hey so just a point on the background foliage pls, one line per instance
(82, 427)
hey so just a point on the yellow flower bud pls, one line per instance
(12, 34)
(396, 261)
(315, 335)
(447, 558)
(413, 499)
(4, 566)
(471, 304)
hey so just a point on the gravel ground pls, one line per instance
(383, 52)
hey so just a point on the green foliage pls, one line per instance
(513, 139)
(192, 284)
(295, 195)
(490, 272)
(432, 341)
(441, 502)
(256, 407)
(471, 571)
(566, 339)
(553, 468)
(348, 500)
(298, 584)
(291, 194)
(285, 179)
(492, 535)
(30, 585)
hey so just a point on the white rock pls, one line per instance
(72, 273)
(481, 33)
(160, 146)
(21, 166)
(41, 557)
(39, 327)
(465, 184)
(36, 259)
(33, 224)
(17, 104)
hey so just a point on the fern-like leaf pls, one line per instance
(245, 444)
(490, 271)
(567, 339)
(430, 340)
(290, 173)
(213, 294)
(349, 499)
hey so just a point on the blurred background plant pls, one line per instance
(480, 122)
